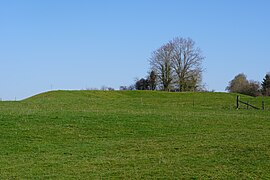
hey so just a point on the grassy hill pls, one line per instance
(133, 134)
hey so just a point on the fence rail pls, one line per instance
(238, 102)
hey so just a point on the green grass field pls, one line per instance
(134, 135)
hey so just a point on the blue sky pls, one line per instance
(78, 44)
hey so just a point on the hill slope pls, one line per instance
(133, 134)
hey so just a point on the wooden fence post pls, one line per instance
(237, 102)
(262, 105)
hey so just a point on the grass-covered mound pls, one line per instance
(133, 134)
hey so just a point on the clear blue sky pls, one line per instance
(78, 44)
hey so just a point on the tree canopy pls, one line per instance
(240, 84)
(266, 85)
(178, 65)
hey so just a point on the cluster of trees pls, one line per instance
(240, 84)
(175, 66)
(149, 83)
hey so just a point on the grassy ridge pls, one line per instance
(133, 134)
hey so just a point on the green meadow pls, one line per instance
(134, 135)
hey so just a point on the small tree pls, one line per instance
(266, 85)
(152, 79)
(131, 87)
(123, 88)
(253, 88)
(241, 85)
(142, 84)
(110, 89)
(238, 84)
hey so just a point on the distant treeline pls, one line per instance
(240, 84)
(177, 66)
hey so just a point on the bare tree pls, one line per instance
(161, 64)
(178, 65)
(186, 63)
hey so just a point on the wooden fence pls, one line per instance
(248, 105)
